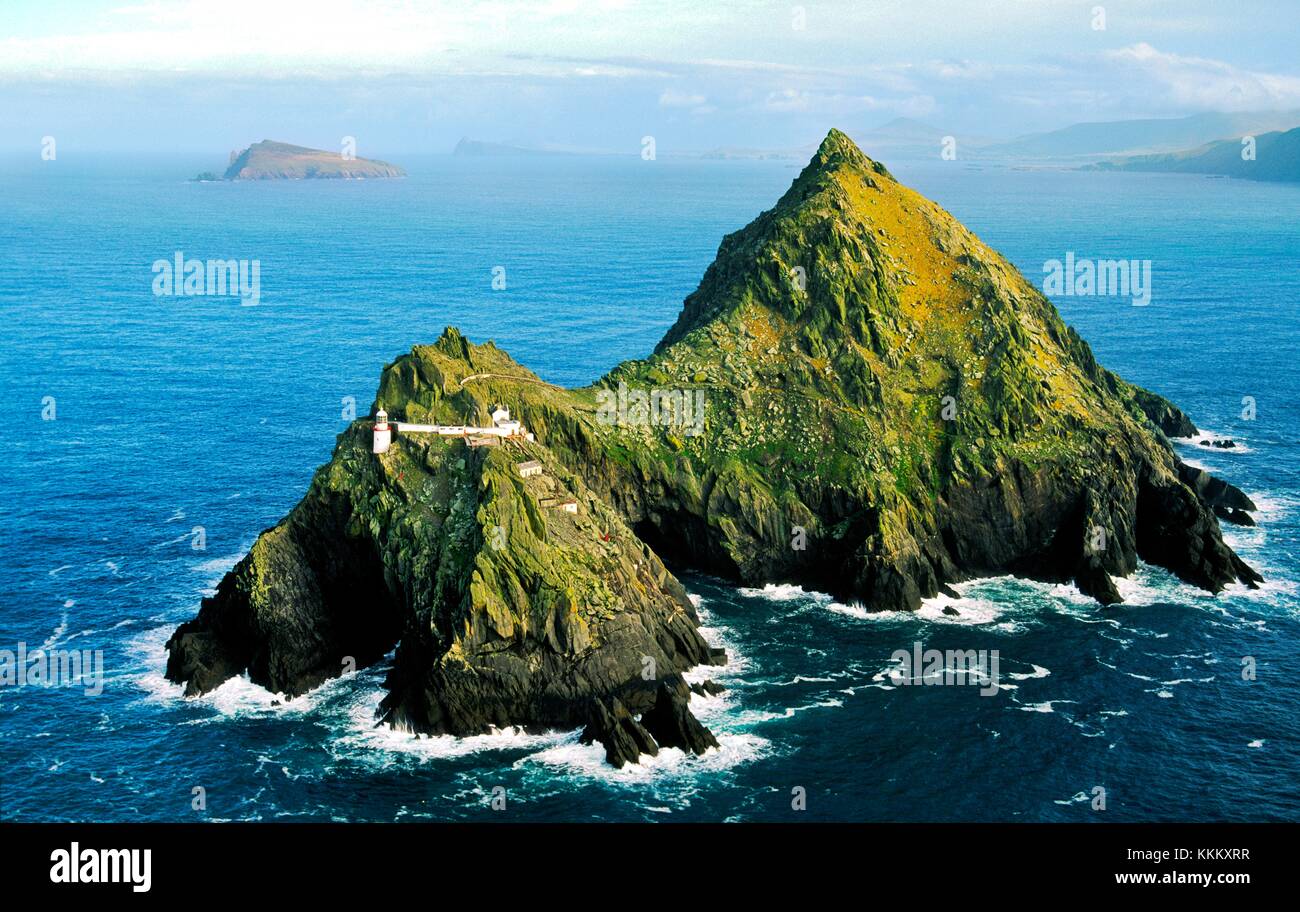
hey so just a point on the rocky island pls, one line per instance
(270, 160)
(860, 397)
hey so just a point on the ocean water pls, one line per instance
(173, 415)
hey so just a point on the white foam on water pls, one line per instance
(184, 536)
(782, 592)
(712, 709)
(58, 632)
(150, 648)
(1151, 585)
(1273, 507)
(363, 736)
(1038, 672)
(221, 565)
(789, 592)
(717, 636)
(800, 679)
(669, 766)
(239, 696)
(861, 613)
(234, 698)
(754, 716)
(1206, 436)
(1071, 595)
(970, 609)
(1006, 602)
(978, 602)
(1047, 706)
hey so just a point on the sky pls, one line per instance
(403, 76)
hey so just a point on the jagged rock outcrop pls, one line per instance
(624, 738)
(1163, 413)
(665, 721)
(1228, 501)
(671, 723)
(861, 397)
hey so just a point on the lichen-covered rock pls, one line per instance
(891, 407)
(861, 397)
(1163, 413)
(308, 601)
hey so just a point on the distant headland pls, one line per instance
(1271, 156)
(271, 160)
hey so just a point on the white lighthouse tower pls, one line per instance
(383, 433)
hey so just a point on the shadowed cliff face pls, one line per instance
(860, 397)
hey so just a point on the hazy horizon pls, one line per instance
(202, 76)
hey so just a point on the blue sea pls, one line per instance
(179, 421)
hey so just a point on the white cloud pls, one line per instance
(671, 98)
(837, 104)
(1200, 83)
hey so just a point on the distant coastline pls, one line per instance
(1270, 157)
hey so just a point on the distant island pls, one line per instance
(271, 160)
(1276, 158)
(478, 148)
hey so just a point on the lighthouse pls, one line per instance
(383, 434)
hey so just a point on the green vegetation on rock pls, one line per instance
(888, 407)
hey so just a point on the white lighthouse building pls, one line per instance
(503, 428)
(383, 433)
(503, 423)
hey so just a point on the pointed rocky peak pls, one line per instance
(838, 152)
(453, 381)
(851, 261)
(453, 344)
(838, 163)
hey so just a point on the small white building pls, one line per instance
(529, 469)
(505, 425)
(383, 433)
